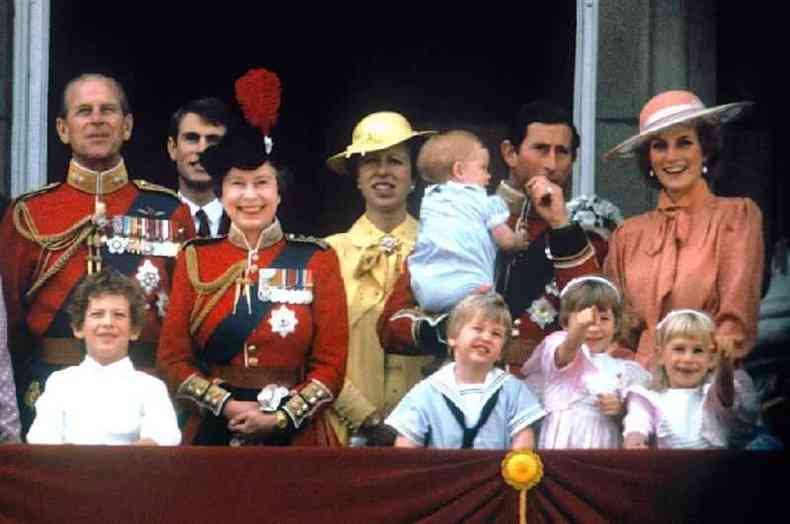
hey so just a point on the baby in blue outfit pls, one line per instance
(460, 224)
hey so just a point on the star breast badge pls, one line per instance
(283, 321)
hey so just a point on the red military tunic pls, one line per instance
(45, 236)
(310, 337)
(530, 282)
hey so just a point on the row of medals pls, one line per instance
(140, 236)
(299, 293)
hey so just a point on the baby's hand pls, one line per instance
(521, 239)
(609, 404)
(635, 440)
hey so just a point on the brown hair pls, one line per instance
(710, 142)
(491, 306)
(438, 155)
(587, 293)
(107, 282)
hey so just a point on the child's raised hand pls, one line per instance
(585, 318)
(727, 348)
(610, 404)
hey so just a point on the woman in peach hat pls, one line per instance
(695, 250)
(372, 255)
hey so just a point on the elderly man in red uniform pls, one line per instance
(566, 240)
(97, 218)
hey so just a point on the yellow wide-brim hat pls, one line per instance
(375, 132)
(672, 108)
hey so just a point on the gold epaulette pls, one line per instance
(144, 185)
(45, 189)
(202, 241)
(290, 237)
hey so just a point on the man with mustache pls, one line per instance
(539, 151)
(197, 125)
(97, 218)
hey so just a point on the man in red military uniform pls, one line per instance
(566, 240)
(97, 218)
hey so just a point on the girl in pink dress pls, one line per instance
(581, 384)
(693, 401)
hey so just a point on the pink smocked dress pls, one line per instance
(569, 395)
(692, 417)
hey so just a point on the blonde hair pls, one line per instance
(689, 323)
(490, 306)
(583, 292)
(438, 155)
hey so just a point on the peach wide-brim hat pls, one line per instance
(375, 132)
(672, 108)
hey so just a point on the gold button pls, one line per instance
(251, 349)
(253, 361)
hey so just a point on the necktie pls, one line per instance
(204, 230)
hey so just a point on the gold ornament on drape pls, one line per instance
(522, 469)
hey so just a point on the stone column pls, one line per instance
(645, 47)
(6, 50)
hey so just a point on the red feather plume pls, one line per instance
(258, 93)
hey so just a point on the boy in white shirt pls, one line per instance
(104, 400)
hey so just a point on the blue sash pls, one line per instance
(229, 337)
(165, 205)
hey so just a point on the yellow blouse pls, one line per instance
(370, 263)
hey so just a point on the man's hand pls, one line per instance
(548, 201)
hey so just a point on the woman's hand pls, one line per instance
(234, 408)
(252, 423)
(609, 404)
(548, 201)
(635, 440)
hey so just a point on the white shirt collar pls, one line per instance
(213, 211)
(119, 366)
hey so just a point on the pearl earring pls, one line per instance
(652, 174)
(704, 169)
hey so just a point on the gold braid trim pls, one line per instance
(216, 289)
(69, 240)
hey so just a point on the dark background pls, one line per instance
(470, 67)
(335, 68)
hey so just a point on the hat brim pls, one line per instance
(337, 163)
(712, 115)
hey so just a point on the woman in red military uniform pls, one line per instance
(257, 331)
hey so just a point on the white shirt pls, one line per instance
(96, 404)
(213, 211)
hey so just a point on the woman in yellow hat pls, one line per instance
(372, 255)
(695, 250)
